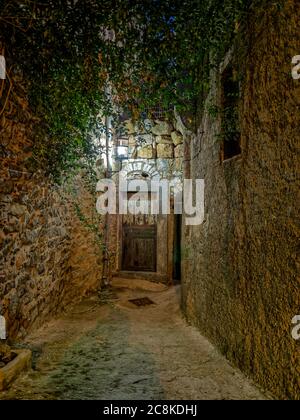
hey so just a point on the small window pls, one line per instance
(230, 115)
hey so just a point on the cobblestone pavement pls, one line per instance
(112, 349)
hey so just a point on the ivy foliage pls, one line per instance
(150, 51)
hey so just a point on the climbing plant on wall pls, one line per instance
(150, 51)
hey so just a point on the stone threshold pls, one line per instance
(143, 275)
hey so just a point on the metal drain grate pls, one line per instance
(141, 301)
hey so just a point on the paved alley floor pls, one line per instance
(109, 348)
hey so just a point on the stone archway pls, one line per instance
(140, 169)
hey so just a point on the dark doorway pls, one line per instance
(177, 247)
(139, 248)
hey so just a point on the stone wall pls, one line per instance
(160, 142)
(48, 258)
(240, 284)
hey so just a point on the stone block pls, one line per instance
(179, 151)
(144, 139)
(178, 164)
(165, 151)
(17, 209)
(147, 125)
(161, 128)
(177, 138)
(164, 140)
(146, 152)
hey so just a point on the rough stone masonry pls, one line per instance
(47, 257)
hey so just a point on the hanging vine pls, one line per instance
(151, 51)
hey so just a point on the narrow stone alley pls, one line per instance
(109, 348)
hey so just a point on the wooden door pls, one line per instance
(139, 248)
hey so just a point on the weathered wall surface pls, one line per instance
(240, 283)
(47, 256)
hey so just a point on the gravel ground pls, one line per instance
(112, 349)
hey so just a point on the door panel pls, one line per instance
(139, 248)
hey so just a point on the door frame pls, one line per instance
(138, 227)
